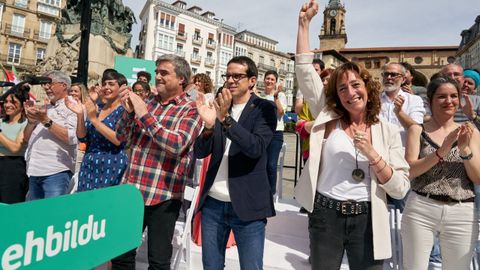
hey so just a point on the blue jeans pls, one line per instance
(41, 187)
(218, 218)
(273, 152)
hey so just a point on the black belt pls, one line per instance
(345, 207)
(444, 198)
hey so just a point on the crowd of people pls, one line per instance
(367, 145)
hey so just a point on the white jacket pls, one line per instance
(386, 141)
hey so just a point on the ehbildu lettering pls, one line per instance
(54, 242)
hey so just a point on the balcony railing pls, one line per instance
(41, 36)
(182, 35)
(209, 62)
(211, 44)
(195, 59)
(18, 31)
(197, 40)
(282, 72)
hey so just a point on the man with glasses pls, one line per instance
(236, 194)
(52, 140)
(162, 129)
(399, 107)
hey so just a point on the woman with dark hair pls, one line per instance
(105, 159)
(13, 175)
(355, 160)
(142, 89)
(444, 158)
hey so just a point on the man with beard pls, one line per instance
(399, 107)
(52, 140)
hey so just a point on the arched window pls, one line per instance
(333, 25)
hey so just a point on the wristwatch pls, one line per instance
(228, 121)
(48, 124)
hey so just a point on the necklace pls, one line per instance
(357, 173)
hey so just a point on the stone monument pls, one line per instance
(111, 24)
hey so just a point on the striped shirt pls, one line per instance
(161, 140)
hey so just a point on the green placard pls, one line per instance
(78, 231)
(129, 67)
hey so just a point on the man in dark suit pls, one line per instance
(236, 194)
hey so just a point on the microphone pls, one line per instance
(6, 84)
(34, 80)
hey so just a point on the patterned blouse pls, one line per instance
(445, 178)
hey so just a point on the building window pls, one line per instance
(21, 3)
(181, 29)
(418, 60)
(1, 12)
(45, 30)
(165, 42)
(167, 20)
(377, 63)
(261, 60)
(18, 23)
(14, 51)
(194, 70)
(40, 54)
(196, 36)
(451, 59)
(55, 3)
(368, 64)
(272, 63)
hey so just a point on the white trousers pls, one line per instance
(455, 224)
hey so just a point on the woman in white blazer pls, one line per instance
(355, 160)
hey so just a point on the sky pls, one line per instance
(369, 23)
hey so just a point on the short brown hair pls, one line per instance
(205, 79)
(373, 92)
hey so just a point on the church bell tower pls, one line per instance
(333, 35)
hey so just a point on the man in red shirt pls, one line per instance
(163, 129)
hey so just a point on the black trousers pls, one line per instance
(160, 220)
(13, 179)
(332, 233)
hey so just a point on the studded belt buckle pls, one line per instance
(348, 208)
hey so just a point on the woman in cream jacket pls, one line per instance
(355, 160)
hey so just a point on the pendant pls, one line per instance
(358, 175)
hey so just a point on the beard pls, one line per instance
(390, 88)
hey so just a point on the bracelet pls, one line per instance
(440, 158)
(467, 157)
(385, 165)
(375, 162)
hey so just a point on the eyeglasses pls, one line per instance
(235, 77)
(50, 84)
(391, 74)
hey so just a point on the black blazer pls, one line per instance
(249, 188)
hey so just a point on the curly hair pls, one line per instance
(207, 82)
(373, 92)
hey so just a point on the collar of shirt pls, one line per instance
(174, 101)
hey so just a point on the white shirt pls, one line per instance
(46, 154)
(413, 107)
(219, 189)
(283, 100)
(338, 163)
